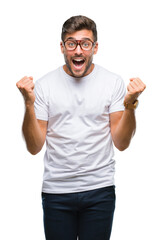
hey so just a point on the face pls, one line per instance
(78, 61)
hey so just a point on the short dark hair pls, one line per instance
(77, 23)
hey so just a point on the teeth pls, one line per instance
(78, 60)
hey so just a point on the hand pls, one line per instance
(26, 87)
(135, 88)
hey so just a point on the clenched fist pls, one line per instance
(26, 87)
(135, 88)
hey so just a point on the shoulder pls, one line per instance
(49, 78)
(109, 77)
(46, 83)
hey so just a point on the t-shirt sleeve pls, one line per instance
(117, 101)
(40, 105)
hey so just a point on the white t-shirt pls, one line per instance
(79, 150)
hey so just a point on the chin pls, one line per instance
(78, 75)
(82, 73)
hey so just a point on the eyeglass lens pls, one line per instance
(85, 44)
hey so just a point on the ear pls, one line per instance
(96, 48)
(62, 47)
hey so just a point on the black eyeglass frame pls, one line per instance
(78, 42)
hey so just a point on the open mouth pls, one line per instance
(78, 63)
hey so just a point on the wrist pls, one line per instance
(131, 105)
(29, 105)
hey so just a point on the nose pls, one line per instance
(78, 49)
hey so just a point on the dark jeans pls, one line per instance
(86, 215)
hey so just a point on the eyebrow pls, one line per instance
(71, 38)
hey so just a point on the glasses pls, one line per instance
(85, 45)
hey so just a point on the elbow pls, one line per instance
(122, 147)
(33, 151)
(32, 147)
(123, 144)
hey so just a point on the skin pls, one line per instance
(123, 124)
(88, 66)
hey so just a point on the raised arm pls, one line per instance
(34, 130)
(123, 124)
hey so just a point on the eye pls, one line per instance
(70, 44)
(85, 44)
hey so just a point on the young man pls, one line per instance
(79, 109)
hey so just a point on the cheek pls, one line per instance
(89, 57)
(67, 58)
(67, 55)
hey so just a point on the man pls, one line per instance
(78, 109)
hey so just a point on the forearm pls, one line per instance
(32, 132)
(125, 130)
